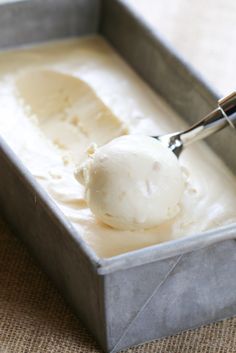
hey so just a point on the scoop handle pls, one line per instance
(218, 119)
(227, 105)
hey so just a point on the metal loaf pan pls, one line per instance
(149, 293)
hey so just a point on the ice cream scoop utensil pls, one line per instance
(218, 119)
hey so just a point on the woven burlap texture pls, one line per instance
(34, 318)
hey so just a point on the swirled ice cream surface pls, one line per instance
(57, 99)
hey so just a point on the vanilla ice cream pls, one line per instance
(57, 99)
(133, 182)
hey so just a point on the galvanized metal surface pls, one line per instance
(25, 22)
(151, 292)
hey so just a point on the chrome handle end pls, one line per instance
(227, 106)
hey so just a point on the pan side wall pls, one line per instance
(53, 245)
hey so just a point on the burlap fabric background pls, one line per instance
(35, 319)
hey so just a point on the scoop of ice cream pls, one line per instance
(133, 182)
